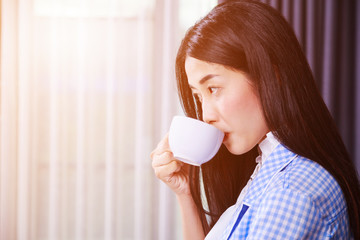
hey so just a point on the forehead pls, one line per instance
(196, 65)
(196, 69)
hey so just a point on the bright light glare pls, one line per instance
(191, 11)
(94, 8)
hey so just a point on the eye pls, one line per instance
(213, 89)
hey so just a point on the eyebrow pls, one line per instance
(204, 79)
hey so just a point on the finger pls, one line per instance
(164, 171)
(164, 143)
(163, 146)
(162, 159)
(153, 153)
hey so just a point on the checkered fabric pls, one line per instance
(291, 198)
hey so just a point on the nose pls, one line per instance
(209, 114)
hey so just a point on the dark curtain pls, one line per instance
(329, 33)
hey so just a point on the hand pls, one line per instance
(171, 171)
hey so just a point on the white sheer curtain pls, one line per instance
(87, 90)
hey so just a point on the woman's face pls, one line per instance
(228, 103)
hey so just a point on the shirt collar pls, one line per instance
(267, 146)
(275, 160)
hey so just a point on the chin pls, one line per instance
(238, 150)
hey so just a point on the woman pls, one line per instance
(241, 69)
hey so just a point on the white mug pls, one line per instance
(193, 141)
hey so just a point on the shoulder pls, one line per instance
(306, 198)
(309, 179)
(291, 214)
(286, 209)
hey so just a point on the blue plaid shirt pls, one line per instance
(291, 198)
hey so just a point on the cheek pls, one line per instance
(239, 104)
(230, 107)
(242, 109)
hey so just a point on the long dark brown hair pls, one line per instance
(254, 38)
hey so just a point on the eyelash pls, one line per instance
(211, 89)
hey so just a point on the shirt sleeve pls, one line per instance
(286, 214)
